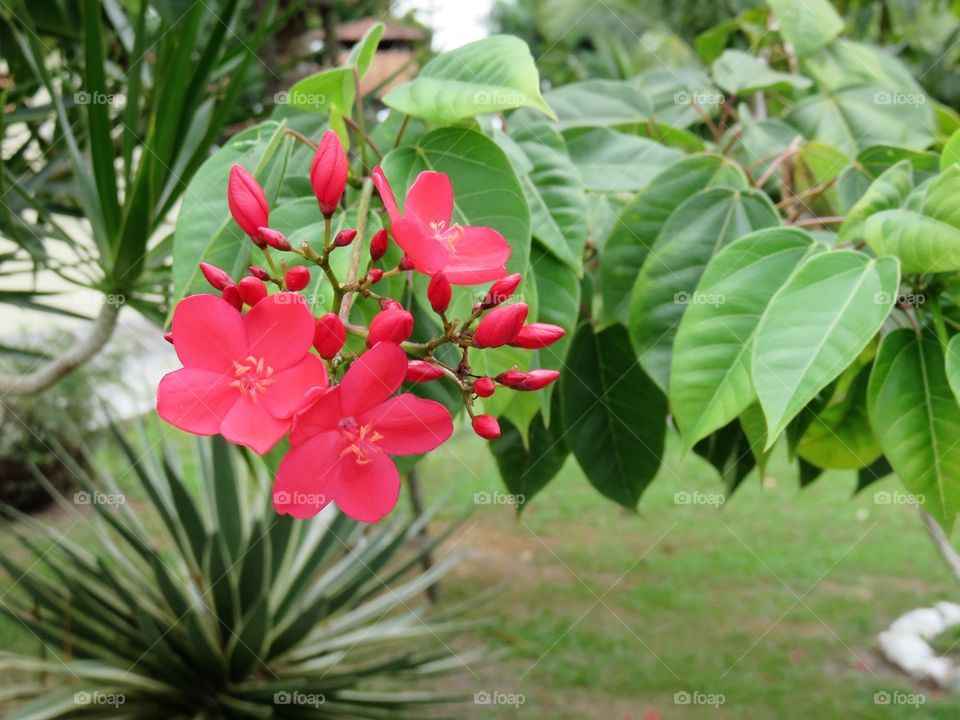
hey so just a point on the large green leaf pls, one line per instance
(927, 241)
(485, 76)
(666, 285)
(205, 229)
(640, 223)
(612, 161)
(599, 103)
(526, 468)
(807, 25)
(886, 192)
(614, 416)
(917, 419)
(710, 381)
(555, 194)
(740, 73)
(333, 89)
(815, 326)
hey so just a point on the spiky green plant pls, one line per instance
(222, 609)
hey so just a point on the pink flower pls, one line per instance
(328, 172)
(341, 445)
(243, 376)
(467, 255)
(247, 202)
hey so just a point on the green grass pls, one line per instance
(772, 600)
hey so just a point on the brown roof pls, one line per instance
(351, 32)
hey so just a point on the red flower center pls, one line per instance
(450, 235)
(361, 440)
(253, 376)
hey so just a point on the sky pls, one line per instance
(454, 22)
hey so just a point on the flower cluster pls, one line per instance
(258, 366)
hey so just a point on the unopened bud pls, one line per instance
(252, 290)
(248, 203)
(259, 272)
(393, 325)
(328, 173)
(422, 371)
(169, 337)
(439, 293)
(231, 293)
(344, 238)
(405, 263)
(379, 244)
(217, 277)
(390, 304)
(486, 426)
(500, 326)
(531, 380)
(484, 387)
(537, 335)
(501, 290)
(275, 239)
(329, 335)
(297, 278)
(373, 276)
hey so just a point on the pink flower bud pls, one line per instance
(248, 204)
(390, 304)
(537, 335)
(422, 371)
(328, 173)
(215, 276)
(501, 290)
(297, 278)
(405, 263)
(252, 290)
(532, 380)
(169, 337)
(259, 272)
(500, 326)
(439, 293)
(379, 244)
(373, 276)
(329, 335)
(231, 293)
(390, 326)
(486, 426)
(344, 238)
(274, 238)
(484, 387)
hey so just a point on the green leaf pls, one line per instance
(612, 161)
(205, 229)
(740, 73)
(927, 241)
(710, 380)
(815, 326)
(951, 152)
(917, 419)
(692, 235)
(325, 91)
(807, 25)
(640, 223)
(361, 54)
(527, 468)
(728, 450)
(614, 416)
(599, 103)
(485, 76)
(886, 192)
(555, 194)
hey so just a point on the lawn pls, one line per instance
(766, 607)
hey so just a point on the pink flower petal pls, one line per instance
(372, 378)
(287, 393)
(196, 400)
(386, 194)
(409, 425)
(248, 423)
(368, 490)
(208, 333)
(322, 416)
(430, 198)
(427, 254)
(308, 477)
(279, 330)
(478, 256)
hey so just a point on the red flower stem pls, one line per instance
(275, 276)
